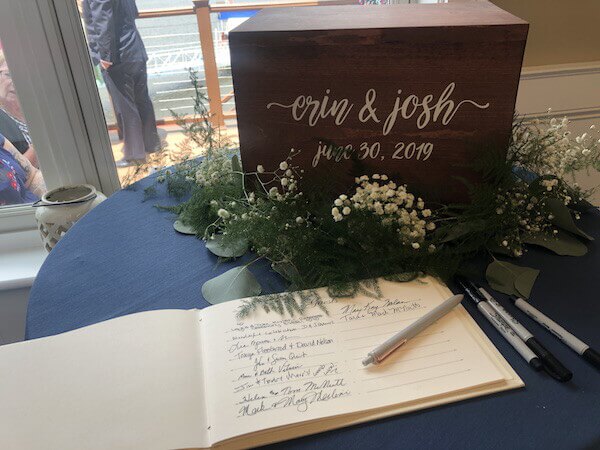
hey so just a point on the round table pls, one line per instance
(124, 257)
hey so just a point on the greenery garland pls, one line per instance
(380, 228)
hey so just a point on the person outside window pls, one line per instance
(12, 120)
(20, 182)
(116, 46)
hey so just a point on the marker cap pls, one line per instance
(592, 356)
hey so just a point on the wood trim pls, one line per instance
(211, 72)
(166, 12)
(571, 90)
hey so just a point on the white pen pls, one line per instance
(384, 350)
(577, 345)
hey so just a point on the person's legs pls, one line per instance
(123, 79)
(113, 94)
(145, 108)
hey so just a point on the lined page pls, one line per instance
(268, 371)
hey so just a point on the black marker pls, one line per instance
(498, 322)
(586, 352)
(552, 366)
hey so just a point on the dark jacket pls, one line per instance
(111, 31)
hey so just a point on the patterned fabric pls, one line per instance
(12, 180)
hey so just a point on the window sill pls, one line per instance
(22, 255)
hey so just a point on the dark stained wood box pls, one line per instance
(412, 91)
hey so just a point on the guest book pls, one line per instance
(204, 378)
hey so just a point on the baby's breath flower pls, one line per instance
(223, 214)
(260, 168)
(415, 245)
(392, 203)
(283, 165)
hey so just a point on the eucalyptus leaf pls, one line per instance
(182, 228)
(563, 218)
(510, 278)
(233, 249)
(562, 244)
(236, 283)
(525, 281)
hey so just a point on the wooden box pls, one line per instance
(411, 91)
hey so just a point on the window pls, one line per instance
(54, 107)
(159, 42)
(164, 40)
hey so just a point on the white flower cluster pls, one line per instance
(285, 189)
(520, 205)
(394, 204)
(561, 153)
(214, 168)
(284, 177)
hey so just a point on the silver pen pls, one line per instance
(384, 350)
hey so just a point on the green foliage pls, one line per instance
(524, 198)
(291, 303)
(149, 192)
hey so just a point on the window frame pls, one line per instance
(45, 47)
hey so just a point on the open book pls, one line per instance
(203, 378)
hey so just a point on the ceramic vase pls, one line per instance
(60, 208)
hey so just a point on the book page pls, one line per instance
(269, 370)
(131, 382)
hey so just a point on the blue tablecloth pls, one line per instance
(124, 257)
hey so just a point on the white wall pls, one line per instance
(572, 91)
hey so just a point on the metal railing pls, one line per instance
(203, 10)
